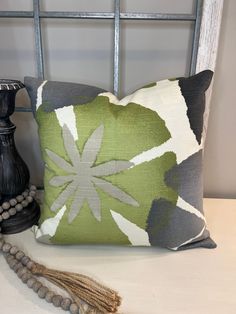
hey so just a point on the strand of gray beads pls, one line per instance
(15, 205)
(21, 264)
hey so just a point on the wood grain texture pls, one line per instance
(208, 45)
(14, 173)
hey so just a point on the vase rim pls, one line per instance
(7, 84)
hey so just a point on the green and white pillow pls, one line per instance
(123, 171)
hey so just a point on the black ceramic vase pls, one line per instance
(14, 174)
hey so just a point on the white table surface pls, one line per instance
(150, 280)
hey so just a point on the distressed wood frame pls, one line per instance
(208, 45)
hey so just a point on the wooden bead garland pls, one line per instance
(96, 297)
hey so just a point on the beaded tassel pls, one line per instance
(96, 297)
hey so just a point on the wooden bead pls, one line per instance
(24, 203)
(42, 292)
(20, 255)
(32, 193)
(25, 277)
(49, 296)
(1, 209)
(37, 285)
(12, 211)
(65, 304)
(25, 194)
(29, 199)
(74, 309)
(17, 267)
(12, 263)
(6, 247)
(21, 272)
(18, 207)
(9, 257)
(14, 249)
(1, 243)
(56, 300)
(31, 282)
(33, 188)
(6, 205)
(13, 202)
(86, 308)
(25, 260)
(5, 215)
(30, 264)
(19, 198)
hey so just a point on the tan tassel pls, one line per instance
(81, 287)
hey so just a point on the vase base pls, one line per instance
(23, 220)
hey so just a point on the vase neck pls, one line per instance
(8, 90)
(7, 103)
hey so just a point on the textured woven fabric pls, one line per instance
(123, 171)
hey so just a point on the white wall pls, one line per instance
(220, 154)
(81, 51)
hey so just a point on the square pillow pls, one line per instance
(127, 171)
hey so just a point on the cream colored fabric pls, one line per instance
(150, 280)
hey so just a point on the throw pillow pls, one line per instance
(123, 171)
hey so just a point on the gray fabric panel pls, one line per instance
(60, 94)
(193, 90)
(170, 226)
(187, 180)
(205, 243)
